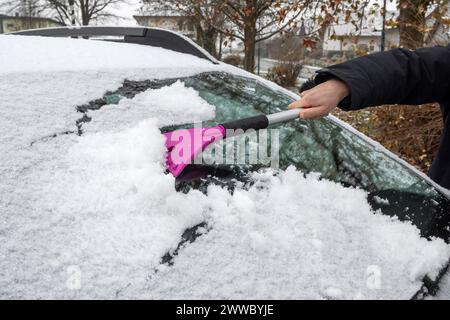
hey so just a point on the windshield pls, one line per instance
(320, 146)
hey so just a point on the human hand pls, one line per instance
(321, 100)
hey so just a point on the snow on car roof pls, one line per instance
(44, 54)
(91, 216)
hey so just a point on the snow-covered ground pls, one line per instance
(91, 216)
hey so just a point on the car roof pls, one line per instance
(154, 37)
(51, 50)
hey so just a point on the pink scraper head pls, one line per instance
(184, 145)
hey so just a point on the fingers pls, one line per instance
(314, 113)
(319, 101)
(304, 102)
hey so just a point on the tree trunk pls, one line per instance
(249, 45)
(207, 39)
(412, 21)
(85, 16)
(210, 42)
(200, 34)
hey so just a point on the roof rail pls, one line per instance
(154, 37)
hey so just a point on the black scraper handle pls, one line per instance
(256, 123)
(262, 121)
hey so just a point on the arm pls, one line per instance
(394, 77)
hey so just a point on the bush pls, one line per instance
(285, 74)
(234, 60)
(412, 132)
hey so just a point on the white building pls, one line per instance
(177, 23)
(345, 37)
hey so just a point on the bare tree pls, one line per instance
(85, 10)
(205, 14)
(69, 12)
(419, 21)
(253, 21)
(248, 20)
(21, 7)
(411, 20)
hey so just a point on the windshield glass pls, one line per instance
(319, 146)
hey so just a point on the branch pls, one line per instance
(270, 35)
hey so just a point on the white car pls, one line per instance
(87, 209)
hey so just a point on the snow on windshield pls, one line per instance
(102, 205)
(92, 216)
(291, 237)
(176, 103)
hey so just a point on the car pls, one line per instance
(88, 210)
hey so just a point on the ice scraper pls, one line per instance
(184, 145)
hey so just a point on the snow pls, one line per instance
(80, 54)
(93, 202)
(291, 237)
(113, 210)
(444, 289)
(174, 102)
(92, 216)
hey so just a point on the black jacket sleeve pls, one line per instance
(394, 77)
